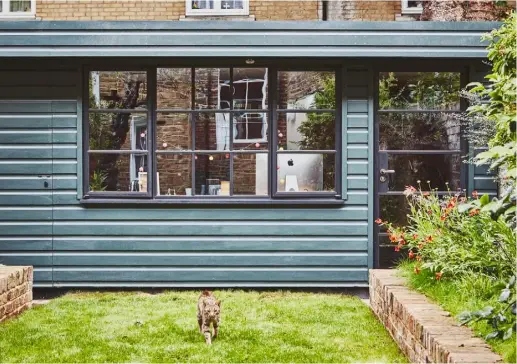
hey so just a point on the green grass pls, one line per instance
(464, 294)
(256, 327)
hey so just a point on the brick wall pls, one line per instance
(15, 290)
(424, 332)
(165, 9)
(366, 10)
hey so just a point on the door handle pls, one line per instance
(387, 171)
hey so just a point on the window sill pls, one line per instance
(214, 202)
(18, 17)
(198, 17)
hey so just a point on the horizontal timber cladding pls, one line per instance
(43, 223)
(238, 39)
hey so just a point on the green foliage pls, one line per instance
(256, 327)
(98, 181)
(471, 292)
(500, 109)
(319, 130)
(454, 237)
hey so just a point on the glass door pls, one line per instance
(418, 144)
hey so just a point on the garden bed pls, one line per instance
(256, 327)
(425, 332)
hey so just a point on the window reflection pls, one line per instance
(419, 90)
(419, 131)
(305, 172)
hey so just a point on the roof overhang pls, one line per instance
(243, 39)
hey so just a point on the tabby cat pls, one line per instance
(208, 311)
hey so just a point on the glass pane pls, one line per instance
(20, 5)
(212, 88)
(173, 132)
(174, 88)
(231, 4)
(174, 174)
(249, 127)
(213, 174)
(419, 90)
(306, 90)
(414, 4)
(393, 209)
(118, 172)
(306, 172)
(112, 131)
(438, 169)
(250, 88)
(118, 90)
(250, 174)
(306, 131)
(419, 131)
(212, 131)
(202, 4)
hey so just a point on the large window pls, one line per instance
(17, 8)
(217, 7)
(227, 132)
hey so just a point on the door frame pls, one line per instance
(410, 65)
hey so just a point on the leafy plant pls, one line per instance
(453, 237)
(98, 181)
(499, 109)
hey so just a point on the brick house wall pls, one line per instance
(166, 9)
(384, 10)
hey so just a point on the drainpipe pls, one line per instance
(324, 10)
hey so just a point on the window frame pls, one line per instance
(152, 197)
(217, 10)
(6, 13)
(406, 9)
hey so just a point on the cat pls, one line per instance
(208, 312)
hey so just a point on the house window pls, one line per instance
(206, 132)
(411, 7)
(217, 7)
(17, 8)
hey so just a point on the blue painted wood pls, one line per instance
(25, 152)
(8, 244)
(13, 228)
(250, 39)
(20, 258)
(204, 228)
(211, 244)
(31, 213)
(209, 275)
(26, 198)
(212, 259)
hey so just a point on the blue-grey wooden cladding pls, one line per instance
(73, 245)
(244, 39)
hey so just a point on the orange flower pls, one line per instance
(429, 238)
(411, 255)
(378, 221)
(438, 275)
(426, 194)
(420, 246)
(419, 258)
(443, 217)
(475, 194)
(417, 270)
(397, 248)
(402, 242)
(415, 236)
(429, 212)
(409, 190)
(474, 212)
(393, 238)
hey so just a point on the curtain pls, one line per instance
(20, 5)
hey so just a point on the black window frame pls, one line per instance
(273, 197)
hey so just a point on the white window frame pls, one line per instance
(6, 13)
(406, 9)
(217, 11)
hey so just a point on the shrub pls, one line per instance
(451, 241)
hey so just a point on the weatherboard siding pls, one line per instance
(71, 244)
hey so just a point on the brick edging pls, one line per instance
(424, 332)
(15, 290)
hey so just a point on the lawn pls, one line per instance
(276, 326)
(467, 293)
